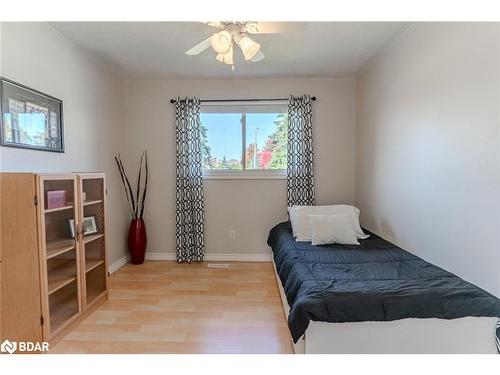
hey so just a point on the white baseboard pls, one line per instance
(239, 257)
(112, 268)
(159, 256)
(233, 257)
(218, 257)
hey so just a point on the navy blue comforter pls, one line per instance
(376, 281)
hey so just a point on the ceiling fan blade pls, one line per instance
(279, 27)
(217, 24)
(258, 56)
(200, 47)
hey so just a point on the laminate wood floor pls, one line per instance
(167, 307)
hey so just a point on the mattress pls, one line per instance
(375, 281)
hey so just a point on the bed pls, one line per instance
(377, 298)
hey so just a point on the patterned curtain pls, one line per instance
(300, 183)
(189, 219)
(497, 336)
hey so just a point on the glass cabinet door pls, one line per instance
(60, 233)
(92, 192)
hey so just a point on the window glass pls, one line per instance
(244, 138)
(266, 140)
(221, 140)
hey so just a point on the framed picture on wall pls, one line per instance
(29, 118)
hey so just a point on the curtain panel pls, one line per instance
(189, 216)
(497, 336)
(300, 169)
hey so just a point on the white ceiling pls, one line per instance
(156, 49)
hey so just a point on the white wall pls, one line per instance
(248, 206)
(428, 165)
(36, 55)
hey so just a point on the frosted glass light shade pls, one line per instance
(221, 42)
(226, 58)
(249, 47)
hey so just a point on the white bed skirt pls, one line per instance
(410, 336)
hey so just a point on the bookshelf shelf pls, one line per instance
(92, 202)
(59, 247)
(63, 311)
(57, 209)
(90, 264)
(60, 273)
(92, 237)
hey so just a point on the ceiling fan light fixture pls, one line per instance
(248, 47)
(226, 58)
(221, 42)
(251, 27)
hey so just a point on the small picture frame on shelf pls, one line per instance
(71, 223)
(89, 226)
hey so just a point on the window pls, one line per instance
(245, 139)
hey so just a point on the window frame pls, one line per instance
(244, 173)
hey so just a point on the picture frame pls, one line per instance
(71, 224)
(29, 118)
(89, 226)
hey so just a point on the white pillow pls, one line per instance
(332, 229)
(300, 222)
(294, 215)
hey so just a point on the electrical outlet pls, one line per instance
(232, 234)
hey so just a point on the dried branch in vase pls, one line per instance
(135, 201)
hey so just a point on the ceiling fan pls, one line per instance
(237, 33)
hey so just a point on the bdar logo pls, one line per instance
(8, 347)
(23, 346)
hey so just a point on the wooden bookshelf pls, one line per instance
(50, 280)
(95, 277)
(62, 309)
(92, 237)
(90, 264)
(95, 283)
(60, 254)
(57, 282)
(93, 294)
(91, 202)
(59, 247)
(61, 276)
(57, 209)
(20, 281)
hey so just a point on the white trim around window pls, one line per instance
(248, 174)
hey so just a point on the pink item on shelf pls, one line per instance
(56, 198)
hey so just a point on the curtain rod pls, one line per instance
(313, 98)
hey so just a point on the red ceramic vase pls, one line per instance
(137, 241)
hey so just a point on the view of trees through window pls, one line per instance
(264, 140)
